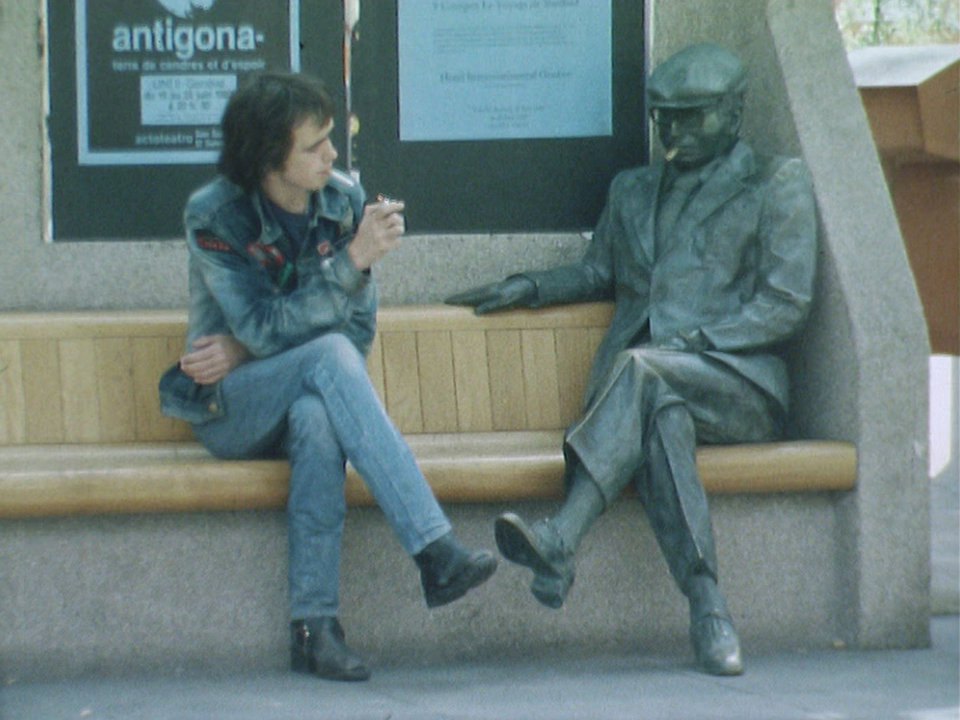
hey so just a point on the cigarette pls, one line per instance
(671, 154)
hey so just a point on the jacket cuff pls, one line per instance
(340, 269)
(533, 276)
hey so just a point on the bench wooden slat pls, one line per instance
(38, 481)
(471, 382)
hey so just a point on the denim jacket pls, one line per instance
(247, 281)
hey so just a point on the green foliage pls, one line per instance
(898, 22)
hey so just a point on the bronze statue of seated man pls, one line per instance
(709, 256)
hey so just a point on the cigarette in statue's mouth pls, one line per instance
(671, 154)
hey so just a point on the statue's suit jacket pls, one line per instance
(733, 278)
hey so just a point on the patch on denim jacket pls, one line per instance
(266, 255)
(208, 241)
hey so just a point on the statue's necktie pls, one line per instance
(672, 202)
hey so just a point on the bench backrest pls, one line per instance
(91, 376)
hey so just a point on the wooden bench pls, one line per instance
(482, 401)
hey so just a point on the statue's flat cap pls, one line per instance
(695, 76)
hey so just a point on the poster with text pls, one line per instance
(153, 76)
(504, 69)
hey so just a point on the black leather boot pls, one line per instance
(317, 647)
(448, 570)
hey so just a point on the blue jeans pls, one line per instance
(315, 405)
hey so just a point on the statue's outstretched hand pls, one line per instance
(512, 292)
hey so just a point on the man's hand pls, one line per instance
(513, 291)
(212, 357)
(379, 232)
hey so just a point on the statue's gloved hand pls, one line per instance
(515, 290)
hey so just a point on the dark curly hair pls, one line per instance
(259, 120)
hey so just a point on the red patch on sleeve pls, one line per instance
(208, 241)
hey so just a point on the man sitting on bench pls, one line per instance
(282, 313)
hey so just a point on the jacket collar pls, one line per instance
(327, 203)
(727, 179)
(722, 179)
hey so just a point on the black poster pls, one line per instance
(153, 76)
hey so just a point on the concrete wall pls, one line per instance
(799, 570)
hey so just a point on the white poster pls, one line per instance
(504, 69)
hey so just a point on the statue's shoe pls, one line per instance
(541, 549)
(716, 644)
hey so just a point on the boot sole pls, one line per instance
(300, 663)
(517, 544)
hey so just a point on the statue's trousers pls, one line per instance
(643, 425)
